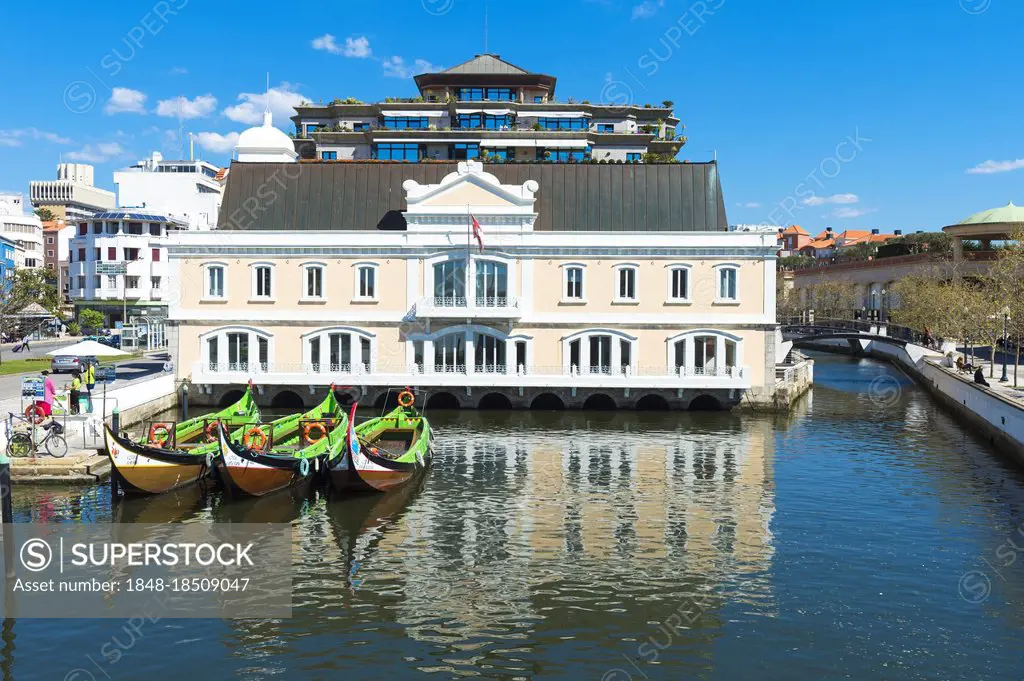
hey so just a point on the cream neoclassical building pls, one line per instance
(595, 285)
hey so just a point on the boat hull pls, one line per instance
(375, 474)
(246, 473)
(146, 470)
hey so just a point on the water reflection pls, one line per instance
(574, 545)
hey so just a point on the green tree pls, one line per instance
(92, 319)
(26, 287)
(45, 214)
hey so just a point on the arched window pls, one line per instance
(727, 289)
(339, 350)
(625, 283)
(313, 274)
(572, 283)
(468, 349)
(215, 285)
(678, 284)
(458, 280)
(599, 351)
(262, 282)
(241, 349)
(366, 281)
(705, 352)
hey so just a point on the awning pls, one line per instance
(534, 143)
(413, 114)
(555, 114)
(489, 112)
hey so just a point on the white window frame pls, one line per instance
(324, 334)
(719, 300)
(306, 268)
(671, 270)
(582, 267)
(619, 269)
(468, 332)
(222, 348)
(253, 269)
(207, 298)
(358, 268)
(584, 338)
(687, 337)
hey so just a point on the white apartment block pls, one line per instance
(72, 196)
(25, 230)
(186, 191)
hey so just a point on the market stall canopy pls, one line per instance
(34, 310)
(88, 348)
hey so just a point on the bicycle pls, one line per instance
(22, 443)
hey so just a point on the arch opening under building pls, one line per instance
(599, 402)
(494, 401)
(442, 400)
(705, 403)
(652, 403)
(547, 402)
(287, 399)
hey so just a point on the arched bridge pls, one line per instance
(855, 332)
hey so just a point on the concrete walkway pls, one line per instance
(1005, 390)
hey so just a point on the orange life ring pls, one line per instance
(211, 431)
(406, 399)
(255, 434)
(160, 433)
(35, 414)
(318, 426)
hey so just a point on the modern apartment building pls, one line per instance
(118, 264)
(25, 230)
(187, 191)
(72, 196)
(489, 109)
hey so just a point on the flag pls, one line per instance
(478, 232)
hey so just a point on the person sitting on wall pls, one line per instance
(959, 365)
(979, 377)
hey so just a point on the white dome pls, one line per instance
(264, 144)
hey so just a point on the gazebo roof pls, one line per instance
(34, 310)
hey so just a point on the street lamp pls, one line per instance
(1006, 318)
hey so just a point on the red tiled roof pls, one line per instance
(793, 229)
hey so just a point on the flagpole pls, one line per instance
(469, 249)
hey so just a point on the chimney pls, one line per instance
(898, 232)
(828, 229)
(874, 231)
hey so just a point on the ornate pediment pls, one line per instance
(506, 207)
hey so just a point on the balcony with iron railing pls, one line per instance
(482, 307)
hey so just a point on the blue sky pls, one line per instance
(851, 113)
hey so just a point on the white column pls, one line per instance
(470, 354)
(428, 356)
(690, 355)
(616, 355)
(719, 353)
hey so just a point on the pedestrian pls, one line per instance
(24, 343)
(979, 378)
(49, 392)
(76, 391)
(90, 376)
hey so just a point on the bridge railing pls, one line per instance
(827, 325)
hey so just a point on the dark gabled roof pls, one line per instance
(487, 64)
(683, 197)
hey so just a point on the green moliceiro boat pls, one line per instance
(290, 450)
(173, 455)
(383, 453)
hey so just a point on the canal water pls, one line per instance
(864, 536)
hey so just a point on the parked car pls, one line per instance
(67, 364)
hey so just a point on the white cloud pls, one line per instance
(104, 151)
(125, 100)
(200, 107)
(395, 67)
(178, 71)
(647, 9)
(835, 198)
(852, 212)
(357, 48)
(216, 142)
(15, 138)
(990, 167)
(283, 100)
(749, 204)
